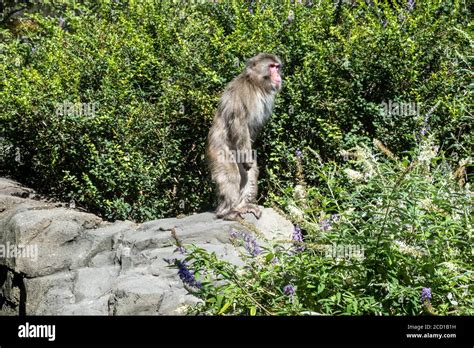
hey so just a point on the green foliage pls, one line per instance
(376, 232)
(155, 71)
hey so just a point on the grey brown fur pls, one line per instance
(244, 107)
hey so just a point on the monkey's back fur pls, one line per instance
(243, 109)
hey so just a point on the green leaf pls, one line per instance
(219, 301)
(224, 307)
(269, 257)
(321, 287)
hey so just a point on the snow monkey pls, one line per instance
(243, 109)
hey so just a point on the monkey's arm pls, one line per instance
(241, 139)
(241, 135)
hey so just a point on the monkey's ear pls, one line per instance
(251, 62)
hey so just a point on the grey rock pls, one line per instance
(177, 302)
(272, 225)
(98, 306)
(136, 294)
(9, 292)
(225, 252)
(142, 239)
(57, 235)
(126, 259)
(49, 295)
(10, 187)
(87, 266)
(93, 283)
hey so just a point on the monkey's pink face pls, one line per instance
(275, 75)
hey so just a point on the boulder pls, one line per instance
(55, 260)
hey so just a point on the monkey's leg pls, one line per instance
(248, 193)
(227, 178)
(252, 208)
(233, 215)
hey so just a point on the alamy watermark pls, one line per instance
(37, 331)
(237, 156)
(392, 108)
(18, 251)
(76, 109)
(344, 251)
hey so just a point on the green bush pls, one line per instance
(155, 71)
(374, 235)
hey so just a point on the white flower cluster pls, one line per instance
(450, 266)
(295, 212)
(299, 193)
(408, 250)
(364, 157)
(427, 151)
(353, 174)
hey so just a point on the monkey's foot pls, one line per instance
(233, 215)
(254, 209)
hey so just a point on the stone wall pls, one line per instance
(60, 261)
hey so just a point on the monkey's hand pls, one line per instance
(247, 165)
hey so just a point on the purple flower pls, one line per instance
(252, 246)
(275, 260)
(298, 153)
(424, 130)
(298, 238)
(426, 126)
(185, 274)
(256, 248)
(297, 234)
(325, 224)
(250, 7)
(410, 5)
(289, 290)
(180, 249)
(425, 295)
(290, 17)
(247, 237)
